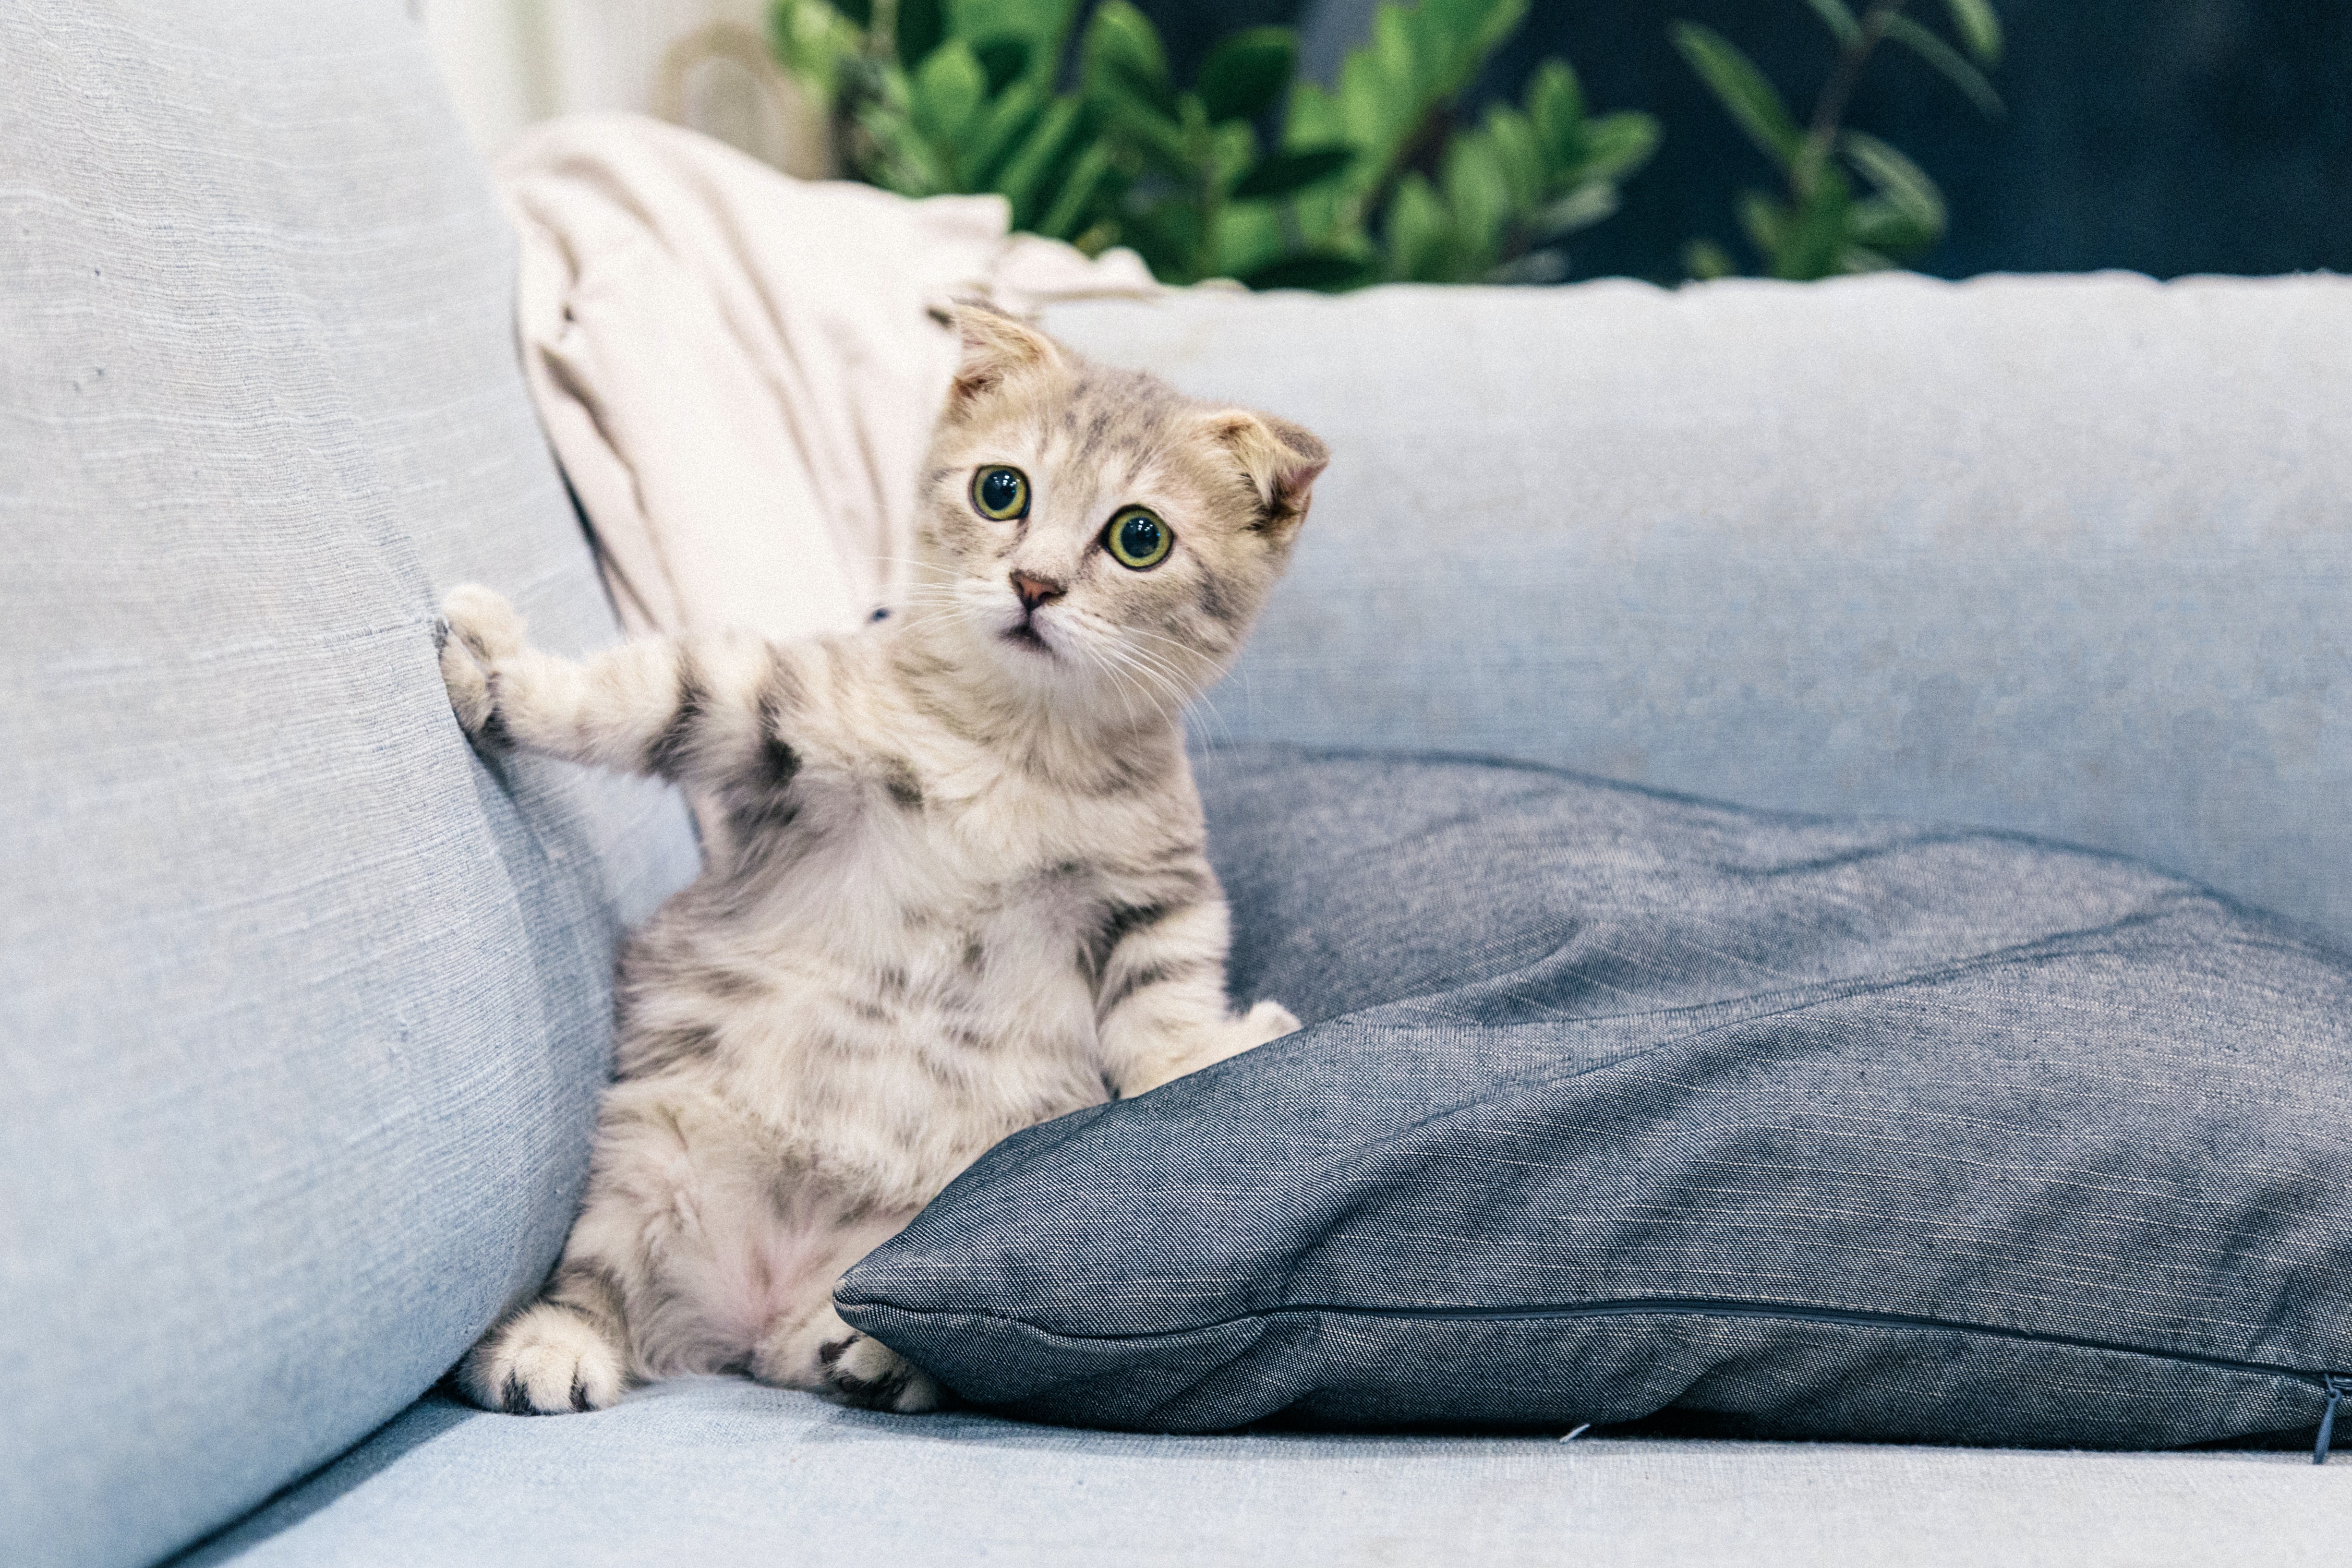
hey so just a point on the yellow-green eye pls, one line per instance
(1137, 540)
(1000, 492)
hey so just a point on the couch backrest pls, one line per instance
(2066, 555)
(302, 1009)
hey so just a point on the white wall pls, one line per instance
(510, 63)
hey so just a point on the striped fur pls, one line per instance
(955, 879)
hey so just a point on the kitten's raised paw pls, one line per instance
(482, 619)
(477, 627)
(860, 1371)
(549, 1362)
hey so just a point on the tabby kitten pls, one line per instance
(954, 877)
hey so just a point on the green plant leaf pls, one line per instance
(1814, 237)
(1740, 87)
(1884, 228)
(1290, 171)
(1704, 260)
(1535, 267)
(1420, 234)
(1246, 73)
(1518, 153)
(1075, 206)
(1470, 29)
(1901, 181)
(1314, 116)
(1371, 107)
(1837, 18)
(890, 152)
(1314, 120)
(999, 130)
(1580, 208)
(1114, 85)
(1398, 52)
(1025, 173)
(814, 42)
(859, 12)
(1044, 25)
(1167, 234)
(1326, 271)
(1478, 193)
(1946, 60)
(1979, 25)
(1004, 60)
(1555, 101)
(1249, 235)
(1765, 222)
(1232, 150)
(1157, 140)
(1122, 52)
(1617, 144)
(947, 93)
(1434, 49)
(1502, 19)
(921, 27)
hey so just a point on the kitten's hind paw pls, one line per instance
(862, 1372)
(547, 1362)
(1267, 1021)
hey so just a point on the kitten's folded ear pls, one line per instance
(1281, 461)
(996, 347)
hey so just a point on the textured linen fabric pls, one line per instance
(302, 1010)
(1612, 1103)
(717, 1474)
(2065, 555)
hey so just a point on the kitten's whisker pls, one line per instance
(1166, 663)
(1200, 698)
(1167, 677)
(916, 561)
(1110, 638)
(1169, 696)
(1103, 659)
(1095, 656)
(1160, 636)
(1144, 669)
(1204, 702)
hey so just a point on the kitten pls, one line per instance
(954, 877)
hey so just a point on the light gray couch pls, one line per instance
(304, 1007)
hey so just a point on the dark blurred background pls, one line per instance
(2165, 136)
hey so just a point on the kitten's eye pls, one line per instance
(1000, 492)
(1137, 540)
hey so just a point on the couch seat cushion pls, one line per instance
(1613, 1104)
(720, 1473)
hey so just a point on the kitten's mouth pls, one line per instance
(1026, 635)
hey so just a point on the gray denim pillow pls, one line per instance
(1612, 1104)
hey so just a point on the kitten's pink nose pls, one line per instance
(1035, 591)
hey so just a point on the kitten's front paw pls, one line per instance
(547, 1362)
(1267, 1021)
(861, 1370)
(477, 629)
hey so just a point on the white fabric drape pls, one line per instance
(738, 371)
